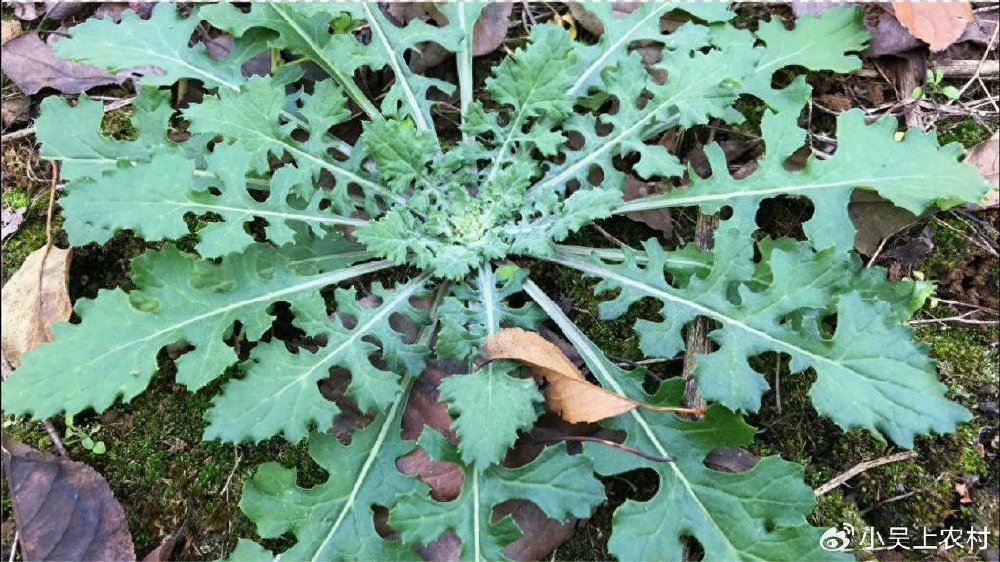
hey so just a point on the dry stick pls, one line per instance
(989, 70)
(53, 434)
(697, 341)
(620, 446)
(861, 467)
(28, 131)
(13, 546)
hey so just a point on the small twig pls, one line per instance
(871, 261)
(607, 235)
(777, 383)
(229, 479)
(54, 435)
(899, 497)
(961, 318)
(527, 10)
(697, 341)
(960, 303)
(28, 131)
(979, 67)
(862, 467)
(13, 546)
(615, 444)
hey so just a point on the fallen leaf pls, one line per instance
(491, 28)
(27, 11)
(30, 63)
(939, 24)
(875, 219)
(568, 393)
(731, 459)
(29, 309)
(64, 510)
(540, 535)
(14, 110)
(60, 9)
(163, 551)
(962, 489)
(592, 23)
(114, 10)
(10, 221)
(657, 219)
(985, 156)
(9, 29)
(488, 32)
(982, 30)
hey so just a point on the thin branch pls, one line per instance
(857, 469)
(615, 444)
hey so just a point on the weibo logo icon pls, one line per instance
(836, 540)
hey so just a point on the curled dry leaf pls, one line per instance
(985, 156)
(33, 299)
(939, 24)
(568, 393)
(64, 510)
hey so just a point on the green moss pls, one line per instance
(16, 198)
(118, 124)
(27, 239)
(951, 249)
(968, 133)
(162, 472)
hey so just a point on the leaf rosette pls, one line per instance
(258, 200)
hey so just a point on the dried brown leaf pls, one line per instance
(491, 28)
(875, 219)
(939, 24)
(985, 156)
(568, 393)
(11, 221)
(540, 535)
(33, 299)
(9, 29)
(657, 219)
(64, 510)
(30, 63)
(14, 110)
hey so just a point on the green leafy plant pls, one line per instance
(85, 437)
(932, 85)
(271, 206)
